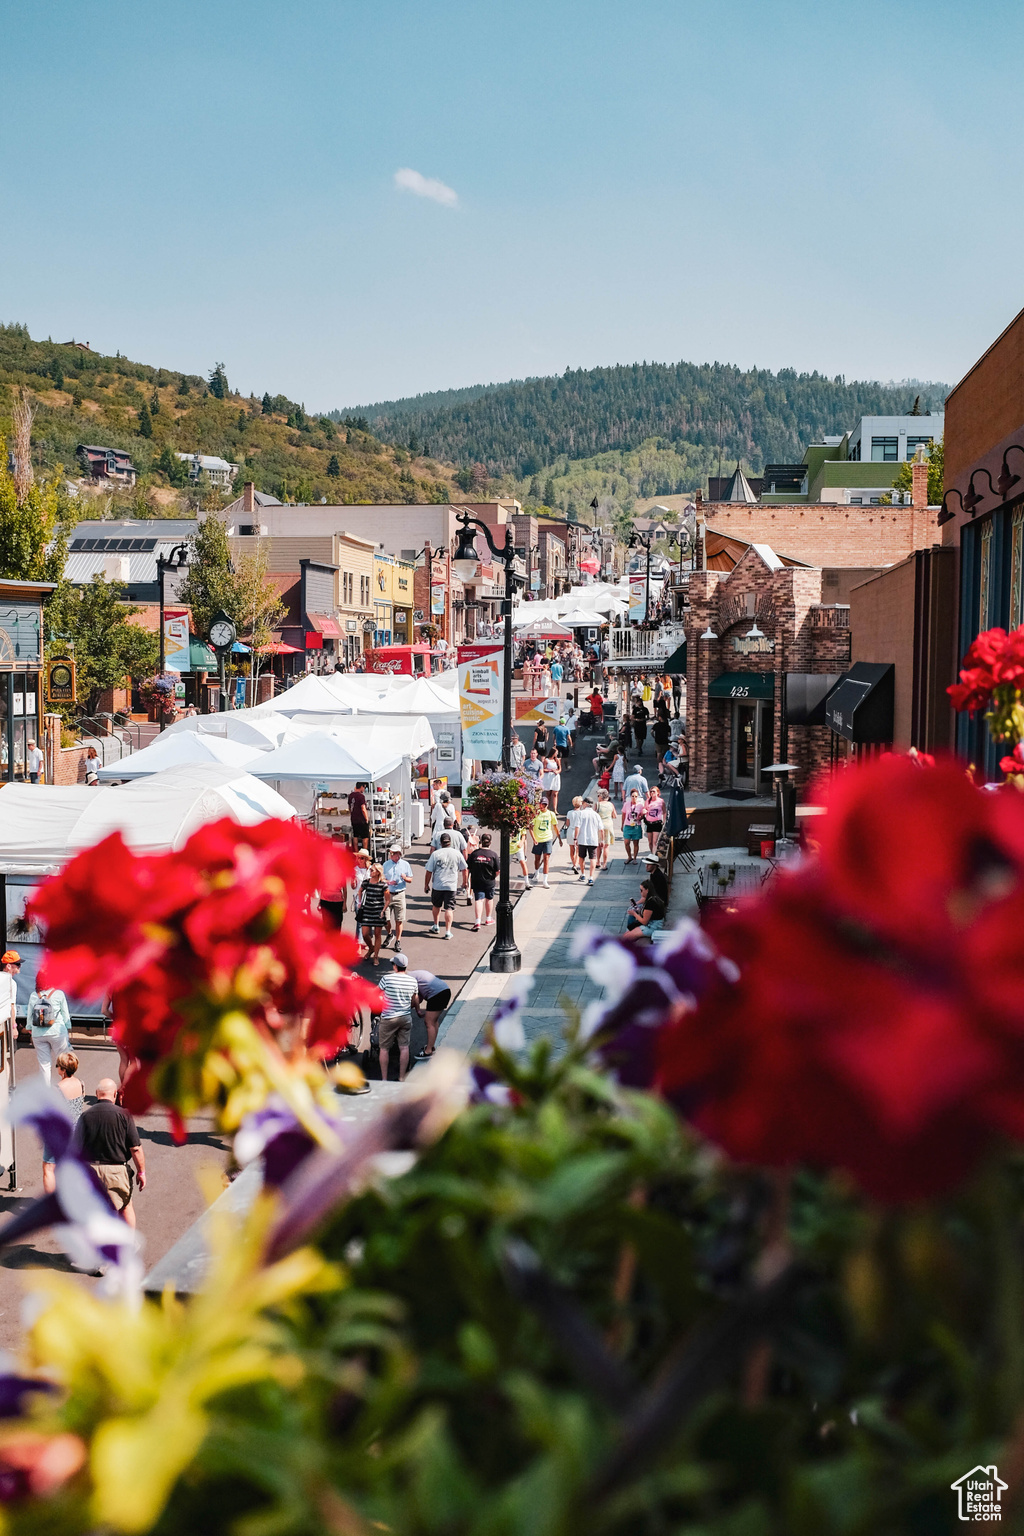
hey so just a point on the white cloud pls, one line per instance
(426, 186)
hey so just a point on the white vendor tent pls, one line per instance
(43, 825)
(350, 751)
(314, 694)
(178, 750)
(261, 727)
(529, 628)
(580, 616)
(435, 699)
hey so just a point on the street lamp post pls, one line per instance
(644, 542)
(174, 561)
(505, 954)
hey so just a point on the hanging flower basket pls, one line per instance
(504, 802)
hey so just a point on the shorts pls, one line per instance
(117, 1179)
(587, 851)
(632, 834)
(360, 829)
(445, 899)
(542, 848)
(397, 907)
(484, 892)
(394, 1030)
(439, 1002)
(655, 826)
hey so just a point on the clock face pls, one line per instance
(221, 634)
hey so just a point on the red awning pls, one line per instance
(325, 625)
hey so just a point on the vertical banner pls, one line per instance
(637, 598)
(437, 599)
(481, 672)
(176, 646)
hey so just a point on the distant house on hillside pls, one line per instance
(106, 463)
(661, 525)
(218, 471)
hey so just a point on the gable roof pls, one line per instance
(990, 1474)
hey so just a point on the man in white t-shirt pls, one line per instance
(34, 761)
(441, 811)
(588, 839)
(448, 868)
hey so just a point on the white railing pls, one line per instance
(646, 644)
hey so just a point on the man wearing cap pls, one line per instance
(400, 993)
(636, 781)
(448, 868)
(397, 875)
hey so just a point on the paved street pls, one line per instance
(545, 922)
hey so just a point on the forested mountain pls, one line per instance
(81, 396)
(522, 428)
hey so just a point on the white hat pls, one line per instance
(395, 848)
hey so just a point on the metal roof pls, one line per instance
(172, 529)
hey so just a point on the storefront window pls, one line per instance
(985, 579)
(1016, 567)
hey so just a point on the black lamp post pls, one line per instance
(175, 561)
(505, 955)
(223, 635)
(643, 540)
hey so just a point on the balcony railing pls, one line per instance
(646, 644)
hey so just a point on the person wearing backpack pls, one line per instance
(50, 1023)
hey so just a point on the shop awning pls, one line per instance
(861, 708)
(325, 625)
(677, 661)
(743, 685)
(201, 657)
(806, 695)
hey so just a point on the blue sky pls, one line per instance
(794, 183)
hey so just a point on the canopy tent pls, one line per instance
(578, 617)
(261, 727)
(173, 751)
(351, 751)
(314, 694)
(541, 629)
(43, 825)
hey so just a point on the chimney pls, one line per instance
(919, 474)
(248, 497)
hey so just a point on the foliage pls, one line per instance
(244, 592)
(518, 428)
(108, 399)
(505, 802)
(33, 545)
(992, 679)
(94, 623)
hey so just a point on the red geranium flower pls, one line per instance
(878, 1021)
(182, 940)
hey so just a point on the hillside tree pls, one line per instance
(219, 382)
(33, 542)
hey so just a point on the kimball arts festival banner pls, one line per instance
(177, 656)
(481, 669)
(637, 599)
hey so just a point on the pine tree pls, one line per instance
(56, 373)
(242, 422)
(334, 468)
(183, 385)
(154, 404)
(267, 405)
(549, 494)
(145, 421)
(219, 382)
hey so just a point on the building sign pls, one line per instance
(177, 657)
(535, 581)
(437, 599)
(481, 669)
(417, 614)
(758, 647)
(61, 683)
(637, 599)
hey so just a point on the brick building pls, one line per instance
(828, 535)
(983, 512)
(751, 631)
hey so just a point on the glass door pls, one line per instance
(744, 745)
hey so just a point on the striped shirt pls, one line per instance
(399, 988)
